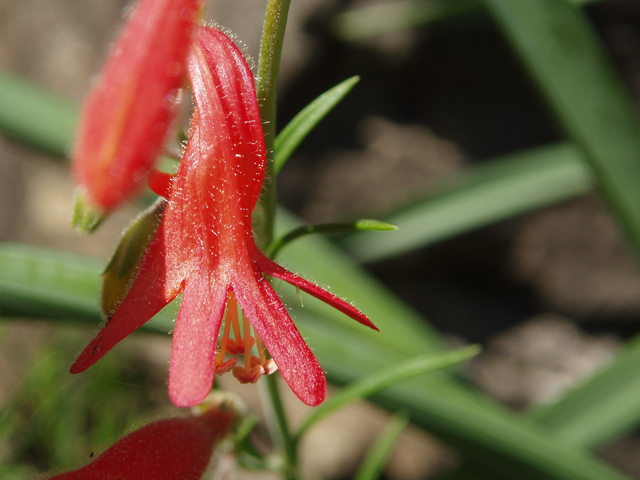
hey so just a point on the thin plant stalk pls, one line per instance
(267, 88)
(275, 23)
(288, 444)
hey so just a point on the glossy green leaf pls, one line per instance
(480, 196)
(378, 381)
(35, 116)
(297, 129)
(563, 54)
(377, 456)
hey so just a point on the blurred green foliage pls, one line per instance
(54, 420)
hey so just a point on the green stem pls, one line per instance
(288, 444)
(327, 228)
(267, 88)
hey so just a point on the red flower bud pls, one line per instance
(127, 115)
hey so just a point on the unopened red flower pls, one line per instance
(169, 449)
(205, 249)
(126, 118)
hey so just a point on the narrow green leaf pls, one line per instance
(297, 129)
(377, 456)
(35, 116)
(328, 228)
(564, 56)
(479, 196)
(317, 260)
(48, 284)
(373, 226)
(383, 379)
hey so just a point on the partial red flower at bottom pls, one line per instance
(204, 248)
(169, 449)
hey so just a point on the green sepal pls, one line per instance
(123, 265)
(86, 216)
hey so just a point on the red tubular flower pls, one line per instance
(205, 248)
(127, 115)
(170, 449)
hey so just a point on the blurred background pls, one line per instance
(550, 294)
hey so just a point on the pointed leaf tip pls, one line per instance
(375, 225)
(305, 121)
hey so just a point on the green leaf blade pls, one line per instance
(378, 381)
(35, 116)
(363, 225)
(377, 456)
(496, 190)
(495, 440)
(564, 56)
(297, 129)
(43, 283)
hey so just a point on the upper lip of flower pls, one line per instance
(205, 248)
